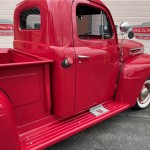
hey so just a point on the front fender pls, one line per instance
(133, 74)
(9, 139)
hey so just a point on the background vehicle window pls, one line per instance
(92, 23)
(30, 19)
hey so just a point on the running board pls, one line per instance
(53, 132)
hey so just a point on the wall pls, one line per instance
(136, 12)
(6, 12)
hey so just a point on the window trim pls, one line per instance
(100, 7)
(30, 30)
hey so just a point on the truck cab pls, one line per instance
(67, 71)
(77, 37)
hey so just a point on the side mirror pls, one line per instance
(131, 35)
(124, 27)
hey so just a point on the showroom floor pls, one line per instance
(129, 130)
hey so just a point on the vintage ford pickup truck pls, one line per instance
(66, 72)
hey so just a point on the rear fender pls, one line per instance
(9, 139)
(134, 72)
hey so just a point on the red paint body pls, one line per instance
(41, 102)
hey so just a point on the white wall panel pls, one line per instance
(7, 8)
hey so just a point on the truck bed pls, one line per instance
(12, 57)
(25, 78)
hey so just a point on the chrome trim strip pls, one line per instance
(83, 57)
(140, 51)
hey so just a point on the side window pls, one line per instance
(30, 19)
(92, 23)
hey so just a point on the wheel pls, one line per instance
(144, 98)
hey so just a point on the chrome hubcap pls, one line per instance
(145, 94)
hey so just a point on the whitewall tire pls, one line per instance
(144, 97)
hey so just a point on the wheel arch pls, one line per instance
(132, 77)
(8, 131)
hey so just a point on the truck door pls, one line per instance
(97, 59)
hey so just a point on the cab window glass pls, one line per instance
(92, 23)
(30, 19)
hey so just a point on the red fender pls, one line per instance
(134, 73)
(9, 139)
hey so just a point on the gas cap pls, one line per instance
(67, 62)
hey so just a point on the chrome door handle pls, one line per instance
(83, 57)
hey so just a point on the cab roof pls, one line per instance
(68, 1)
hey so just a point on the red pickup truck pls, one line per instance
(66, 72)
